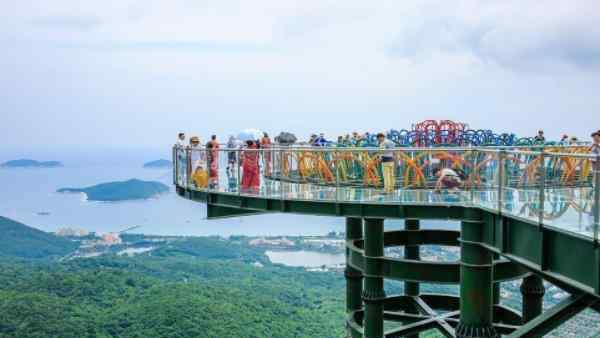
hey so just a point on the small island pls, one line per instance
(133, 189)
(27, 163)
(158, 164)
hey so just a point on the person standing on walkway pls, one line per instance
(232, 144)
(196, 153)
(181, 140)
(181, 158)
(320, 141)
(265, 144)
(573, 141)
(251, 168)
(213, 160)
(387, 163)
(595, 151)
(540, 138)
(595, 148)
(199, 174)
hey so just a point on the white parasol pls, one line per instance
(250, 135)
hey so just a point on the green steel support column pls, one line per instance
(476, 285)
(496, 294)
(497, 286)
(354, 278)
(412, 252)
(373, 293)
(533, 291)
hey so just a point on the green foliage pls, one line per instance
(188, 287)
(121, 191)
(212, 247)
(19, 240)
(167, 296)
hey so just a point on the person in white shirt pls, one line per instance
(181, 158)
(181, 140)
(232, 156)
(387, 162)
(197, 154)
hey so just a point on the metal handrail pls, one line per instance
(508, 150)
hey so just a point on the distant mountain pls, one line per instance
(158, 164)
(27, 163)
(19, 240)
(133, 189)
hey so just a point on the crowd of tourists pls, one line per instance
(243, 154)
(203, 166)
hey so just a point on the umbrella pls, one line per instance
(286, 138)
(250, 135)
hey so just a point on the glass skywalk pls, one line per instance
(553, 186)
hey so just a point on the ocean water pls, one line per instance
(302, 258)
(26, 192)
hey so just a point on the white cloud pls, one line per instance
(521, 35)
(349, 64)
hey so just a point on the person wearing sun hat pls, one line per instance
(196, 153)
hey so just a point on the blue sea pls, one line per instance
(26, 193)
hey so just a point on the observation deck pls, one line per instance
(526, 213)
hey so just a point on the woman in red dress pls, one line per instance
(250, 167)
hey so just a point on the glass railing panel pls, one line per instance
(349, 167)
(269, 162)
(179, 166)
(570, 192)
(519, 192)
(308, 174)
(485, 178)
(223, 169)
(524, 203)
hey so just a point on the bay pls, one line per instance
(304, 258)
(29, 196)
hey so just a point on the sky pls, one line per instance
(133, 73)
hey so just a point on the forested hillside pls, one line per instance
(166, 297)
(19, 240)
(197, 287)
